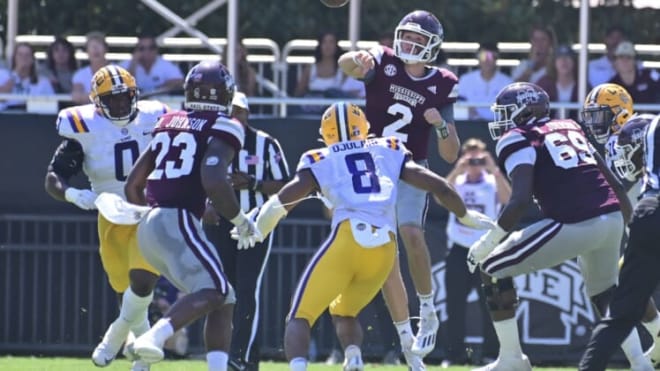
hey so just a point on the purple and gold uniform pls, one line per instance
(110, 152)
(396, 101)
(171, 236)
(582, 214)
(360, 179)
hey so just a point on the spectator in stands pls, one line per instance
(561, 79)
(482, 186)
(245, 76)
(542, 39)
(639, 83)
(323, 77)
(23, 77)
(601, 70)
(96, 48)
(61, 64)
(151, 71)
(483, 84)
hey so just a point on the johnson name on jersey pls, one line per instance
(109, 150)
(359, 178)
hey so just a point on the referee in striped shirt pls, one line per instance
(257, 171)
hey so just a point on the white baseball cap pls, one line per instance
(240, 100)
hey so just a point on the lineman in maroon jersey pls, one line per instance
(406, 98)
(584, 208)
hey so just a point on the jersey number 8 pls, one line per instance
(363, 169)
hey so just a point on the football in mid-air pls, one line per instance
(334, 3)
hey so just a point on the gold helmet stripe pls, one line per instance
(342, 121)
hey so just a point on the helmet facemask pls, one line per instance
(598, 120)
(118, 106)
(417, 53)
(504, 119)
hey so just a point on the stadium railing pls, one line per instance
(274, 65)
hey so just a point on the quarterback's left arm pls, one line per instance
(137, 178)
(443, 122)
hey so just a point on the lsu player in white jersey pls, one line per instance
(359, 176)
(104, 139)
(606, 110)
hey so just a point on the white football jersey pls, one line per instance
(480, 196)
(359, 178)
(109, 150)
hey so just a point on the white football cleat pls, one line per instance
(508, 364)
(354, 364)
(146, 349)
(653, 354)
(140, 365)
(107, 350)
(426, 334)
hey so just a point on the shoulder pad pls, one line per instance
(230, 126)
(311, 157)
(511, 142)
(153, 107)
(75, 120)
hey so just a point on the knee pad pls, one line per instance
(602, 300)
(500, 294)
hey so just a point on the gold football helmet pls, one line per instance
(605, 110)
(342, 122)
(115, 94)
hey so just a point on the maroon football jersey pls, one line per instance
(568, 186)
(179, 143)
(396, 101)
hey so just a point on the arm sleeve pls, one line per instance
(68, 158)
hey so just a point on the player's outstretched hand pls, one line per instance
(246, 232)
(477, 220)
(486, 244)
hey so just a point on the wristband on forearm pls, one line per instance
(442, 130)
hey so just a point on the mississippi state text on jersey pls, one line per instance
(396, 101)
(180, 141)
(359, 178)
(110, 150)
(568, 186)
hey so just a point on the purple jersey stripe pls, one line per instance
(297, 297)
(200, 254)
(82, 122)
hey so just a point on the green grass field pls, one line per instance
(68, 364)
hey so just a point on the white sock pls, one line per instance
(298, 364)
(632, 347)
(140, 327)
(507, 333)
(426, 307)
(404, 330)
(653, 326)
(217, 360)
(352, 351)
(161, 331)
(133, 307)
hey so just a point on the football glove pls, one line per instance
(476, 220)
(83, 198)
(486, 244)
(245, 230)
